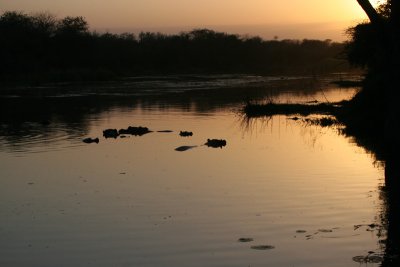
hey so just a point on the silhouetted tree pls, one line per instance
(72, 26)
(376, 45)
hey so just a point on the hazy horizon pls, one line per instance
(318, 31)
(286, 19)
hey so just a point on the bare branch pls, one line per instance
(372, 14)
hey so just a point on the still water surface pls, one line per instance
(297, 189)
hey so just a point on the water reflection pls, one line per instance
(390, 217)
(64, 112)
(387, 227)
(294, 191)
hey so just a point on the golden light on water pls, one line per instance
(285, 183)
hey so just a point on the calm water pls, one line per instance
(306, 191)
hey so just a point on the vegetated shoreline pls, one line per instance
(42, 48)
(359, 127)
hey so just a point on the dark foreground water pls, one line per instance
(280, 193)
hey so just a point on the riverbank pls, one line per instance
(365, 127)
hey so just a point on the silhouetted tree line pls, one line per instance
(33, 46)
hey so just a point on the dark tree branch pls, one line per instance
(372, 14)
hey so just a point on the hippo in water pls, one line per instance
(135, 130)
(215, 143)
(185, 133)
(110, 133)
(90, 140)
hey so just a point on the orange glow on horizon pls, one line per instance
(194, 14)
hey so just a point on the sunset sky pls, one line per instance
(293, 19)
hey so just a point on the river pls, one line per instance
(280, 193)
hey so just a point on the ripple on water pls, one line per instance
(263, 247)
(39, 140)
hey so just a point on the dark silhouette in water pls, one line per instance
(110, 133)
(132, 130)
(215, 143)
(391, 218)
(114, 133)
(90, 140)
(38, 48)
(185, 133)
(184, 148)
